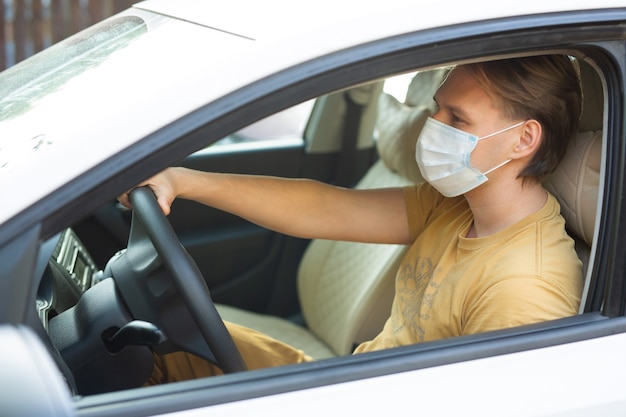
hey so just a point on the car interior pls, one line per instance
(323, 297)
(344, 293)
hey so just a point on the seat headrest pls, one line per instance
(591, 118)
(575, 183)
(398, 128)
(399, 123)
(423, 87)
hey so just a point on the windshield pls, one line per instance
(83, 100)
(46, 72)
(40, 80)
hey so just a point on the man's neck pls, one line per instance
(496, 208)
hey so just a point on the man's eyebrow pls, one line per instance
(458, 111)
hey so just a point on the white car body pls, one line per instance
(486, 387)
(249, 49)
(243, 44)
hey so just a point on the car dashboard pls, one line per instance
(69, 272)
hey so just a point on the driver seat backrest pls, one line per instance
(575, 183)
(346, 288)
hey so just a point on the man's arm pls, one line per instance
(297, 207)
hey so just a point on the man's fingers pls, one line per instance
(124, 200)
(165, 205)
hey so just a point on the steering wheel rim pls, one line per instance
(187, 279)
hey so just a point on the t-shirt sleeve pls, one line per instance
(421, 200)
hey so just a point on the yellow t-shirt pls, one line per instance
(449, 285)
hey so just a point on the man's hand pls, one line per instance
(163, 186)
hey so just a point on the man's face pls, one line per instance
(464, 104)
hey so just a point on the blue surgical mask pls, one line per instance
(443, 156)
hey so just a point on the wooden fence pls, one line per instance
(32, 25)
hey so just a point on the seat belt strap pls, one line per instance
(344, 174)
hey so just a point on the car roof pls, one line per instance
(272, 20)
(261, 38)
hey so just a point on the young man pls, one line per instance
(488, 245)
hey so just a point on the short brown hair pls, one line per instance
(545, 88)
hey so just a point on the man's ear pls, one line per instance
(529, 140)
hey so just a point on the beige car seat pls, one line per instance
(576, 182)
(346, 288)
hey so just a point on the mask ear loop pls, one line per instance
(503, 130)
(497, 133)
(496, 167)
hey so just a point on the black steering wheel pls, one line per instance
(153, 240)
